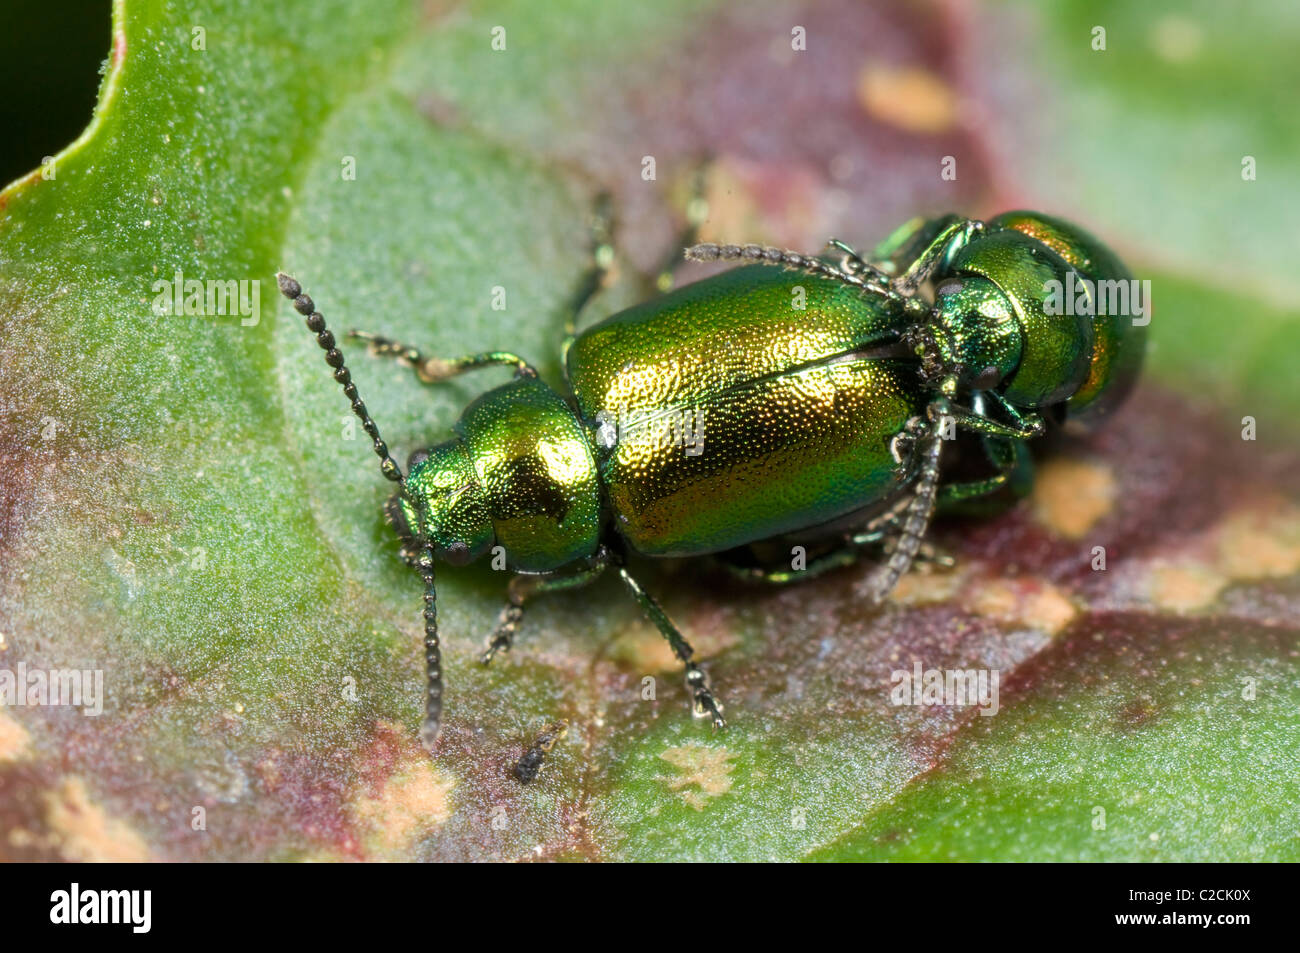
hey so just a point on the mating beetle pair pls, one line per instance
(820, 395)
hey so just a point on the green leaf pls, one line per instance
(188, 508)
(1128, 741)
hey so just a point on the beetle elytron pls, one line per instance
(824, 391)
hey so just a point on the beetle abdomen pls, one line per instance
(761, 459)
(725, 413)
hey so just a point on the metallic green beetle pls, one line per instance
(798, 399)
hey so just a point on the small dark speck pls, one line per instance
(530, 765)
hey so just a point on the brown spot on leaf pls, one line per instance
(1260, 541)
(921, 587)
(911, 98)
(1184, 587)
(1030, 602)
(83, 832)
(14, 739)
(1016, 600)
(413, 802)
(733, 207)
(642, 647)
(1071, 495)
(752, 201)
(709, 769)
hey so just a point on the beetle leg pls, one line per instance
(930, 555)
(879, 530)
(835, 559)
(703, 702)
(602, 258)
(901, 248)
(697, 212)
(432, 370)
(1030, 423)
(869, 540)
(1027, 427)
(955, 235)
(859, 546)
(524, 587)
(927, 553)
(1014, 469)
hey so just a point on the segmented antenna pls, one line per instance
(315, 321)
(432, 653)
(866, 277)
(432, 648)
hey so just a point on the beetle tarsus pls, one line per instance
(704, 703)
(903, 547)
(503, 636)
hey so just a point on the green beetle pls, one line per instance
(795, 400)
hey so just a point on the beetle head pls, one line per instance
(443, 501)
(971, 334)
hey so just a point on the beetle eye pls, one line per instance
(988, 379)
